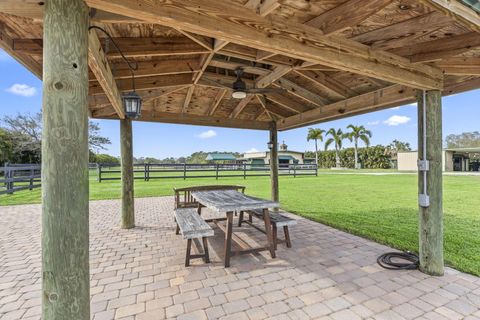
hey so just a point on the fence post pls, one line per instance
(244, 171)
(31, 179)
(9, 175)
(99, 172)
(316, 170)
(185, 171)
(145, 168)
(294, 170)
(216, 172)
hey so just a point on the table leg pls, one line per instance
(228, 239)
(268, 231)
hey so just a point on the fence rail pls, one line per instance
(187, 171)
(18, 177)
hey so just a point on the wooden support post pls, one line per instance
(65, 265)
(431, 217)
(274, 161)
(126, 148)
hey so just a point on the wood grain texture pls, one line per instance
(231, 200)
(65, 242)
(101, 69)
(191, 224)
(126, 150)
(431, 218)
(274, 184)
(234, 23)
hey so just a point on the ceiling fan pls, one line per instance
(240, 90)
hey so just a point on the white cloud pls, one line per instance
(395, 108)
(251, 150)
(373, 123)
(397, 120)
(207, 134)
(22, 90)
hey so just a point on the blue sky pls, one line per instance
(20, 92)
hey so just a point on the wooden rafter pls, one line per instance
(441, 48)
(205, 42)
(167, 117)
(460, 66)
(383, 97)
(457, 11)
(300, 92)
(216, 102)
(262, 82)
(346, 15)
(146, 83)
(156, 67)
(301, 42)
(131, 47)
(188, 98)
(287, 103)
(393, 35)
(262, 7)
(334, 89)
(100, 67)
(7, 44)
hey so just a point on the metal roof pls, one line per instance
(220, 156)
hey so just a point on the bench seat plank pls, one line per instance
(279, 219)
(191, 224)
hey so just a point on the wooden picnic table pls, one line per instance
(228, 202)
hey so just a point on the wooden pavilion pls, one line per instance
(334, 59)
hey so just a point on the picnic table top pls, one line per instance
(231, 200)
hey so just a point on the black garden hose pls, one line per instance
(390, 260)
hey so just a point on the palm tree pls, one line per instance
(337, 137)
(358, 132)
(315, 134)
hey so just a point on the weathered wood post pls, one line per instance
(431, 215)
(65, 266)
(126, 150)
(274, 161)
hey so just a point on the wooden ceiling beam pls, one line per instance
(230, 65)
(301, 92)
(7, 44)
(167, 117)
(402, 33)
(146, 83)
(262, 7)
(155, 67)
(33, 9)
(287, 103)
(440, 48)
(263, 102)
(216, 102)
(188, 98)
(457, 11)
(231, 22)
(347, 15)
(382, 97)
(262, 82)
(334, 90)
(388, 97)
(100, 67)
(460, 66)
(131, 47)
(205, 42)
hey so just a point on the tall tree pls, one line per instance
(356, 133)
(463, 140)
(395, 147)
(315, 134)
(336, 137)
(25, 131)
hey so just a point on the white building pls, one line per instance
(458, 159)
(285, 157)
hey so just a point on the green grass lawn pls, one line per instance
(382, 208)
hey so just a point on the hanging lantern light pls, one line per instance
(132, 104)
(270, 145)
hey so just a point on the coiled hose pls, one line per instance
(390, 260)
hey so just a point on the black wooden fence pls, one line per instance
(19, 177)
(188, 171)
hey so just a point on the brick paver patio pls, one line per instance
(139, 274)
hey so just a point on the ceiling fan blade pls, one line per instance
(265, 90)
